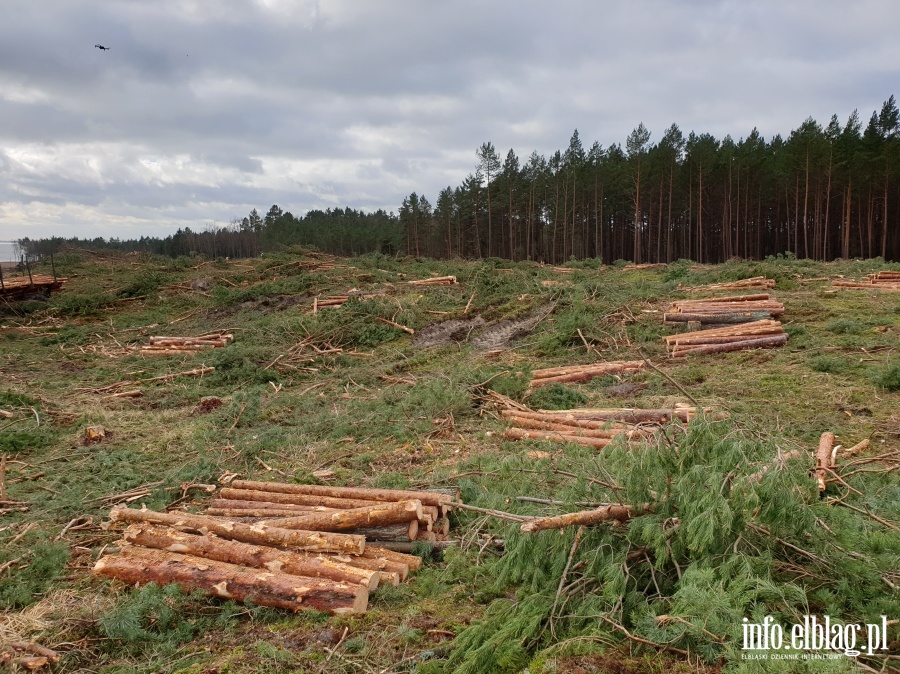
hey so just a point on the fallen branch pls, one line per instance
(824, 462)
(617, 513)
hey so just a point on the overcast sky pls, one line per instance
(201, 110)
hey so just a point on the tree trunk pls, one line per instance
(245, 554)
(139, 566)
(258, 533)
(259, 495)
(823, 459)
(521, 434)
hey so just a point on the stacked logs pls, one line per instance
(166, 346)
(592, 427)
(302, 547)
(582, 373)
(882, 280)
(756, 335)
(724, 310)
(753, 282)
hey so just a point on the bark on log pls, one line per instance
(561, 417)
(702, 340)
(619, 513)
(263, 588)
(757, 343)
(390, 570)
(246, 554)
(521, 434)
(752, 297)
(735, 317)
(354, 518)
(426, 497)
(823, 459)
(273, 496)
(259, 533)
(757, 327)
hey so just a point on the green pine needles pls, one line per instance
(722, 543)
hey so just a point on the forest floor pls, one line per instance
(339, 391)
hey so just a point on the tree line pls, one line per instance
(822, 192)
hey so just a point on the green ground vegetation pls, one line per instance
(340, 390)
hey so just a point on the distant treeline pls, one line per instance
(821, 193)
(339, 231)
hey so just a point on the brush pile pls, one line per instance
(282, 545)
(724, 310)
(581, 373)
(339, 300)
(592, 427)
(168, 346)
(756, 335)
(744, 284)
(882, 280)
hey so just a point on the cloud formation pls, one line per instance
(201, 111)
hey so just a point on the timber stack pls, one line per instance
(754, 282)
(593, 427)
(168, 346)
(724, 310)
(282, 545)
(882, 280)
(760, 334)
(582, 373)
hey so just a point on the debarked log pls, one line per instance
(259, 532)
(249, 555)
(139, 566)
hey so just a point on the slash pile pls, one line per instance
(756, 335)
(724, 310)
(281, 545)
(882, 280)
(167, 346)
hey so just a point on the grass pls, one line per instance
(392, 415)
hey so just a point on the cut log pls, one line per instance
(560, 417)
(273, 496)
(824, 462)
(354, 518)
(522, 434)
(404, 531)
(756, 343)
(766, 326)
(629, 415)
(574, 428)
(139, 566)
(618, 513)
(414, 562)
(612, 367)
(266, 505)
(258, 533)
(371, 494)
(246, 554)
(390, 570)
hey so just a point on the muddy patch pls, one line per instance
(500, 334)
(482, 335)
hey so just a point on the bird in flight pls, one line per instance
(100, 46)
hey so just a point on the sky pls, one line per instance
(200, 111)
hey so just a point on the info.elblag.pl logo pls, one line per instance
(816, 636)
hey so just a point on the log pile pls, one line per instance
(434, 281)
(754, 282)
(882, 280)
(592, 427)
(582, 373)
(724, 310)
(282, 545)
(756, 335)
(167, 346)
